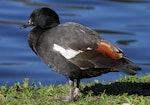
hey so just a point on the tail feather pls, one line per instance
(123, 65)
(128, 66)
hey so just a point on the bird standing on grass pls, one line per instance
(74, 50)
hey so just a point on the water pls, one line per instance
(126, 24)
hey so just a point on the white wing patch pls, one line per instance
(89, 48)
(67, 53)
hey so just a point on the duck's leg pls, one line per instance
(77, 90)
(71, 92)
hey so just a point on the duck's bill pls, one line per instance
(28, 24)
(25, 26)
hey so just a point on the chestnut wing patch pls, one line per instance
(109, 50)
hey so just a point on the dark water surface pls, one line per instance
(126, 24)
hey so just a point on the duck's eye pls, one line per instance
(30, 21)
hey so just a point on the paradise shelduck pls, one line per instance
(74, 50)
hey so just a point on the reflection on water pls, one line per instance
(122, 22)
(126, 42)
(10, 63)
(131, 1)
(30, 3)
(10, 22)
(113, 32)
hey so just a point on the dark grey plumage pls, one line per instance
(90, 55)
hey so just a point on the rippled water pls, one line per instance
(127, 24)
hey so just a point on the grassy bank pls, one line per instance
(129, 90)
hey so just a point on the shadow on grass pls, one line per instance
(118, 88)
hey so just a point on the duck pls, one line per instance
(74, 50)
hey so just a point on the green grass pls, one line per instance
(128, 89)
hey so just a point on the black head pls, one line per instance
(42, 17)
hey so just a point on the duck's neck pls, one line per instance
(50, 26)
(54, 25)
